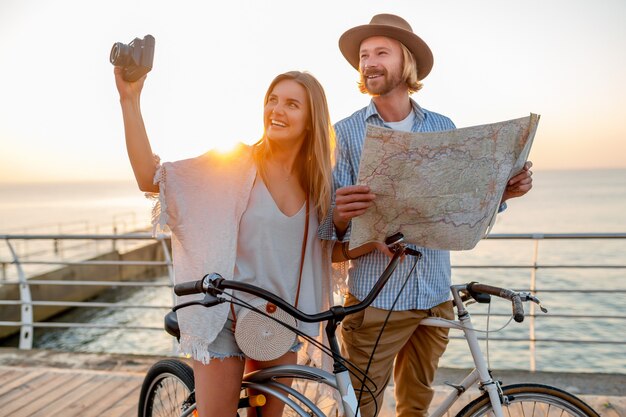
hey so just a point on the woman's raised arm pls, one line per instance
(137, 142)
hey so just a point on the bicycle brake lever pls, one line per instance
(536, 301)
(529, 297)
(413, 252)
(208, 301)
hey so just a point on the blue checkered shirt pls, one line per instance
(429, 284)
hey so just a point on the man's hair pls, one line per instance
(409, 72)
(315, 157)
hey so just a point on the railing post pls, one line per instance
(26, 330)
(58, 245)
(170, 274)
(531, 321)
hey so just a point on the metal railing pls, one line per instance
(536, 266)
(27, 324)
(121, 223)
(26, 302)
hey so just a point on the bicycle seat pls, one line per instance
(171, 324)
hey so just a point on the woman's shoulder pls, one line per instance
(238, 156)
(239, 149)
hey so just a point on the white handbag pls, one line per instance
(261, 338)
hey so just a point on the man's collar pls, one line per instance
(419, 112)
(371, 110)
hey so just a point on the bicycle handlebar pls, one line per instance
(188, 288)
(514, 297)
(213, 285)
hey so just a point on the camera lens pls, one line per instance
(120, 54)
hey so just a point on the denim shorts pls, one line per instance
(225, 345)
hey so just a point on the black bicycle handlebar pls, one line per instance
(188, 288)
(213, 284)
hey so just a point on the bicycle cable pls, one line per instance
(487, 331)
(487, 334)
(382, 329)
(461, 327)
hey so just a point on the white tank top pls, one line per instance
(269, 248)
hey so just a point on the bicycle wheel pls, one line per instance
(531, 400)
(167, 385)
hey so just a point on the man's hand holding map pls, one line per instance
(440, 189)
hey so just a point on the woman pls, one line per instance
(243, 216)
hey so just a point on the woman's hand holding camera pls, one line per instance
(128, 90)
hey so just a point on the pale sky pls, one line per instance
(494, 60)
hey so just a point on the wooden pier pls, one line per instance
(49, 392)
(45, 383)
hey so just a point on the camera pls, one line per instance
(136, 57)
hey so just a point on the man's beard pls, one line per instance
(390, 82)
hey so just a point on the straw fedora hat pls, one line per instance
(391, 26)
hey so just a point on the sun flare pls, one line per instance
(224, 145)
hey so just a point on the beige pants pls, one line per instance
(416, 350)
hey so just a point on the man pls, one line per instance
(392, 61)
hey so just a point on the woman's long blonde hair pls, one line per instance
(315, 159)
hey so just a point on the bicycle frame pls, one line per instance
(481, 373)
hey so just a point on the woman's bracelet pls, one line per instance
(344, 251)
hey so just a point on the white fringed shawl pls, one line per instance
(202, 200)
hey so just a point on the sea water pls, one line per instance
(592, 201)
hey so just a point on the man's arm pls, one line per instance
(341, 253)
(343, 175)
(350, 200)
